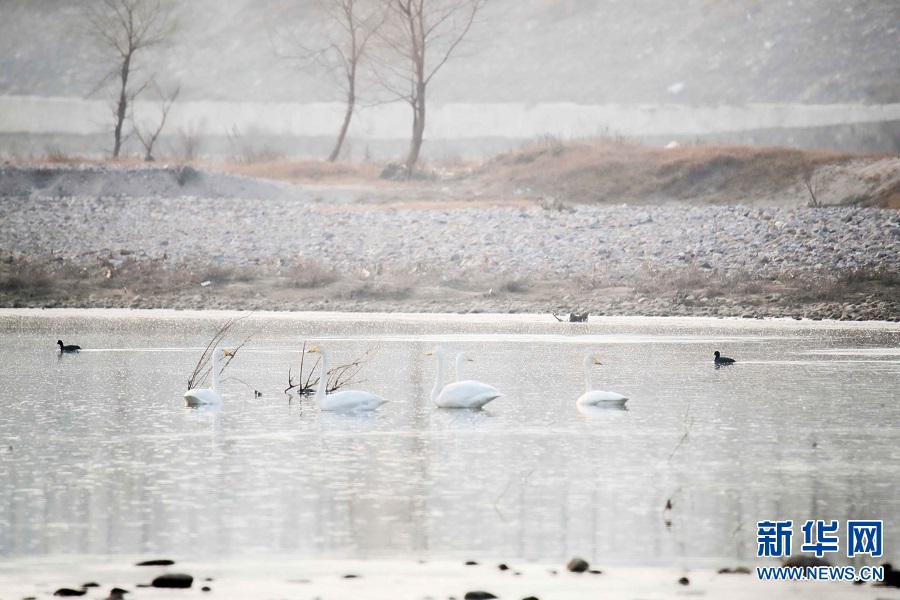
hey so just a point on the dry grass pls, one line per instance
(379, 290)
(681, 282)
(53, 155)
(461, 284)
(621, 171)
(303, 171)
(879, 283)
(556, 173)
(888, 198)
(154, 283)
(309, 274)
(514, 286)
(155, 276)
(24, 279)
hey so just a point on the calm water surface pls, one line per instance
(98, 454)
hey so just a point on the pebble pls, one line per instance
(173, 580)
(156, 562)
(577, 565)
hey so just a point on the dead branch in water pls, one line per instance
(688, 423)
(573, 317)
(337, 377)
(256, 392)
(341, 375)
(305, 385)
(204, 365)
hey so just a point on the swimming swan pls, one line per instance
(592, 397)
(64, 348)
(206, 396)
(345, 400)
(459, 394)
(461, 360)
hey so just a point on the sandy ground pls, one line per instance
(392, 579)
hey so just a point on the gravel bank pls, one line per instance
(827, 262)
(255, 577)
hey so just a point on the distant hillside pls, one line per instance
(587, 51)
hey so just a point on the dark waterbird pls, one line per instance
(720, 360)
(65, 348)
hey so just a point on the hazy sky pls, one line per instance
(588, 51)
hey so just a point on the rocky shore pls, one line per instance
(291, 577)
(304, 248)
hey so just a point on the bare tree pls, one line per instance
(419, 38)
(123, 28)
(339, 50)
(148, 133)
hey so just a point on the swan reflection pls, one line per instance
(601, 411)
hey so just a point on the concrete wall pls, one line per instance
(389, 125)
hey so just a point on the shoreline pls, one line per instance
(477, 317)
(335, 579)
(861, 307)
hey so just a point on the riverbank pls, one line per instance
(96, 236)
(253, 578)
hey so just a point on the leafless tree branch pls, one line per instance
(812, 185)
(339, 51)
(150, 133)
(417, 40)
(204, 365)
(337, 377)
(120, 29)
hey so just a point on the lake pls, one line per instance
(99, 455)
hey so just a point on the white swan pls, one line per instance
(459, 394)
(461, 360)
(345, 400)
(203, 396)
(592, 397)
